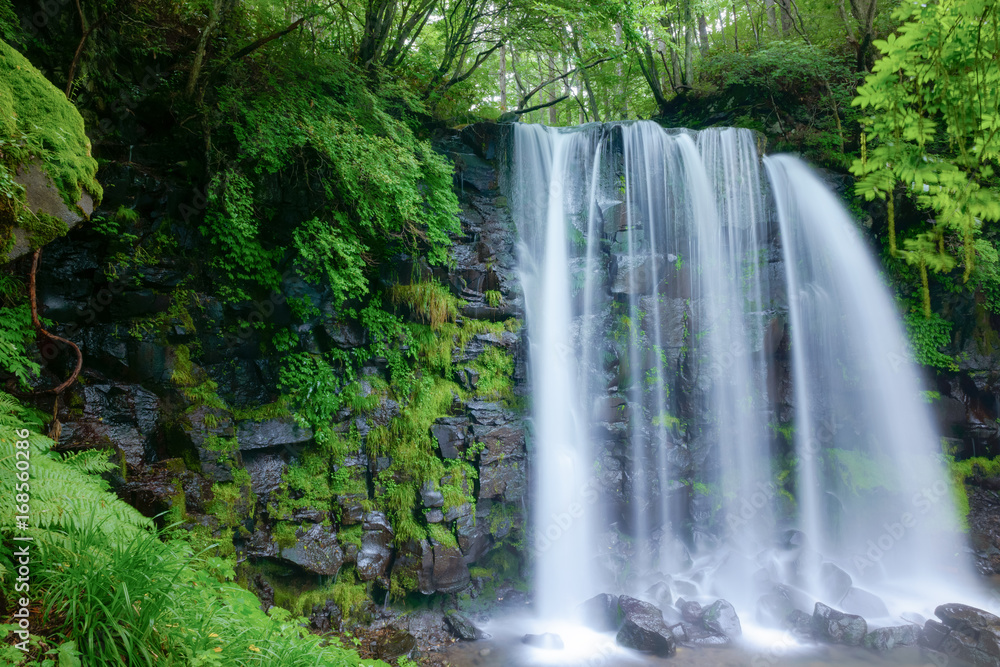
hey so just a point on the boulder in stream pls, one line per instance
(837, 627)
(643, 628)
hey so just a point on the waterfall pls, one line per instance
(858, 409)
(722, 397)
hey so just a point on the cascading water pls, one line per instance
(860, 419)
(670, 443)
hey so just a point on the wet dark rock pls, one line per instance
(720, 618)
(462, 626)
(450, 433)
(548, 640)
(428, 628)
(690, 611)
(442, 569)
(886, 639)
(966, 633)
(431, 495)
(643, 628)
(434, 516)
(395, 642)
(272, 433)
(326, 617)
(837, 627)
(376, 546)
(861, 602)
(316, 549)
(601, 613)
(473, 536)
(265, 471)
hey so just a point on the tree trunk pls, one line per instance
(703, 34)
(503, 79)
(772, 20)
(619, 72)
(199, 51)
(553, 110)
(787, 23)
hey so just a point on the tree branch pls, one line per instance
(32, 293)
(250, 48)
(541, 106)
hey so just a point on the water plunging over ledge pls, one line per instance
(724, 406)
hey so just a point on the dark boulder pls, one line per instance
(690, 611)
(837, 627)
(720, 618)
(462, 626)
(316, 549)
(393, 643)
(271, 433)
(442, 569)
(376, 546)
(601, 613)
(643, 628)
(886, 639)
(967, 634)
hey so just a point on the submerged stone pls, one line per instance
(886, 639)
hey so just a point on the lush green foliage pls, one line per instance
(935, 98)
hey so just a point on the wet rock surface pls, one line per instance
(643, 628)
(965, 634)
(837, 627)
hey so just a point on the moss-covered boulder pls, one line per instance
(47, 175)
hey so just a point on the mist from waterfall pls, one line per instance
(670, 443)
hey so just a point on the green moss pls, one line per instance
(194, 384)
(260, 413)
(441, 535)
(429, 302)
(496, 371)
(232, 502)
(284, 535)
(962, 470)
(351, 535)
(36, 119)
(305, 484)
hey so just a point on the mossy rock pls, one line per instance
(47, 174)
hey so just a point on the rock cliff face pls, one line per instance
(175, 382)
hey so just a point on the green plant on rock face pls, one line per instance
(496, 371)
(429, 302)
(927, 336)
(962, 470)
(494, 299)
